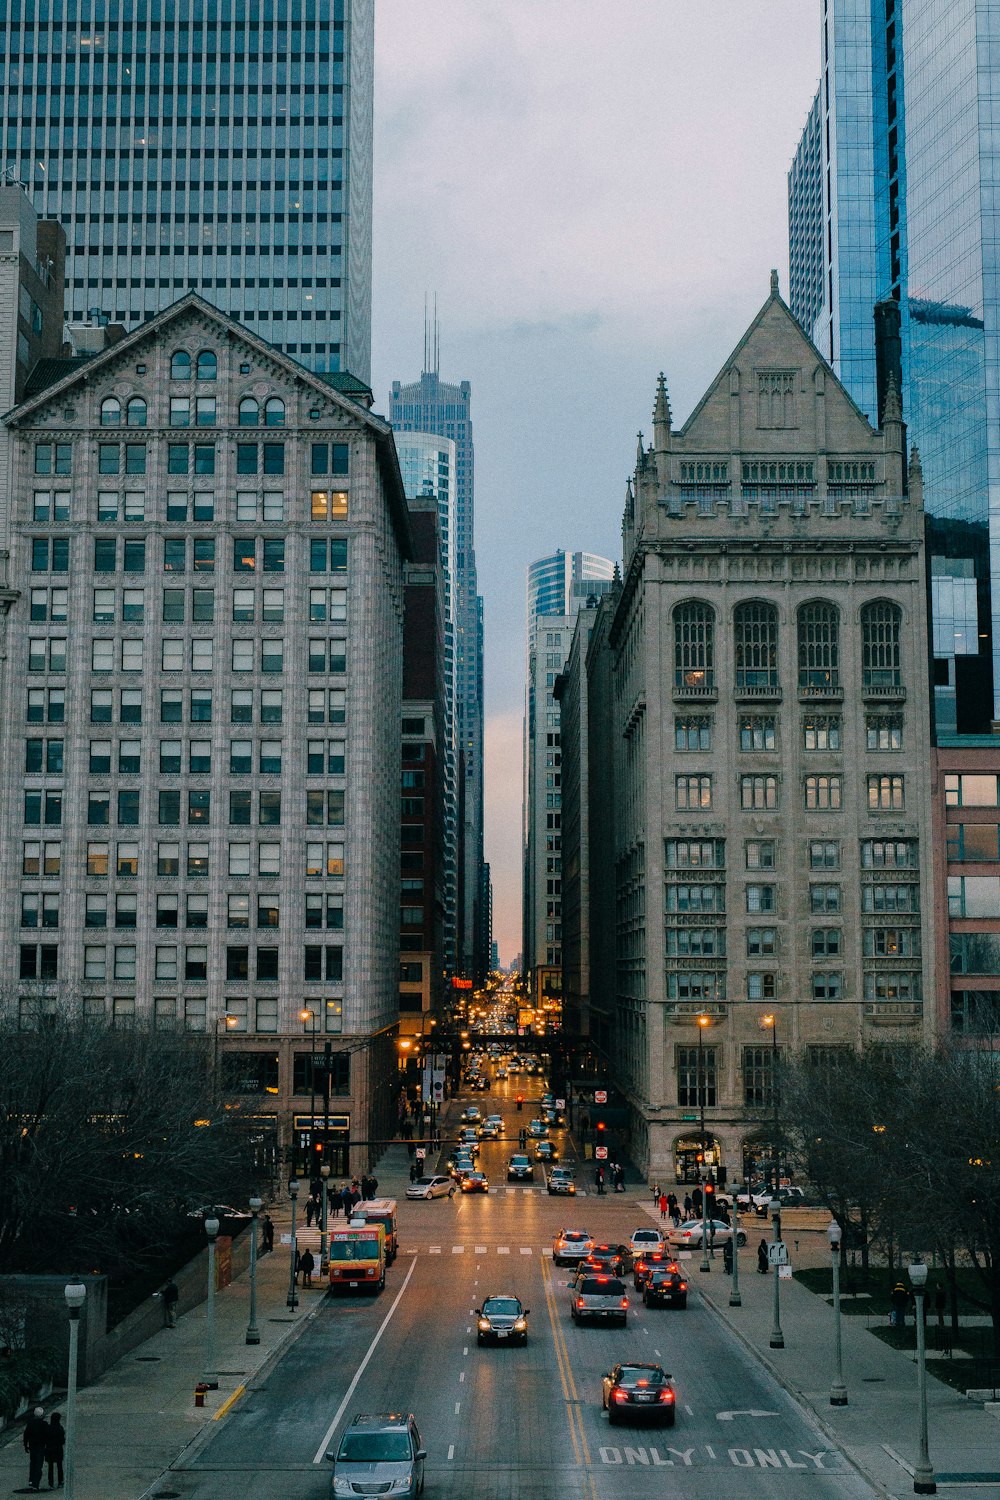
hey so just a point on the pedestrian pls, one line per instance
(310, 1210)
(170, 1295)
(727, 1257)
(346, 1200)
(307, 1264)
(355, 1194)
(54, 1446)
(372, 1186)
(36, 1437)
(413, 1171)
(687, 1205)
(940, 1301)
(898, 1299)
(663, 1205)
(762, 1257)
(655, 1186)
(333, 1204)
(267, 1235)
(600, 1181)
(619, 1178)
(298, 1266)
(696, 1201)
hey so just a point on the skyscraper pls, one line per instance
(430, 406)
(208, 145)
(908, 221)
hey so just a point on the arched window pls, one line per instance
(180, 365)
(249, 412)
(694, 647)
(756, 629)
(819, 647)
(274, 412)
(880, 628)
(135, 412)
(111, 412)
(208, 365)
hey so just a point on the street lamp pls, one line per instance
(293, 1294)
(75, 1293)
(777, 1340)
(923, 1474)
(735, 1300)
(211, 1229)
(253, 1332)
(772, 1022)
(307, 1015)
(838, 1390)
(324, 1173)
(703, 1021)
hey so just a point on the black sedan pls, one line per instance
(616, 1260)
(520, 1169)
(665, 1286)
(502, 1319)
(639, 1392)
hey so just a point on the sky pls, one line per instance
(594, 193)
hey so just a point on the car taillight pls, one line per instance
(666, 1396)
(624, 1302)
(621, 1395)
(579, 1303)
(684, 1286)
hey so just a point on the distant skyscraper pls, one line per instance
(908, 220)
(203, 144)
(430, 406)
(558, 588)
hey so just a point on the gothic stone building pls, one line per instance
(770, 738)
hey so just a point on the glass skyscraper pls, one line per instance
(222, 146)
(907, 158)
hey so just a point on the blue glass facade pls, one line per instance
(222, 146)
(910, 161)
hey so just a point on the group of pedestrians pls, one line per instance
(44, 1443)
(613, 1173)
(692, 1207)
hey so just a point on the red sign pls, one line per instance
(600, 1096)
(601, 1152)
(461, 984)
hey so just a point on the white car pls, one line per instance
(431, 1187)
(645, 1239)
(688, 1236)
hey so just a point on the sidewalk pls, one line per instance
(135, 1421)
(878, 1429)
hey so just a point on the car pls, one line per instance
(598, 1298)
(650, 1260)
(788, 1197)
(502, 1317)
(463, 1162)
(545, 1151)
(474, 1182)
(538, 1130)
(560, 1180)
(688, 1235)
(431, 1187)
(570, 1246)
(468, 1138)
(639, 1391)
(520, 1169)
(501, 1074)
(553, 1119)
(645, 1239)
(489, 1132)
(481, 1081)
(615, 1259)
(548, 1101)
(471, 1114)
(665, 1286)
(379, 1454)
(497, 1121)
(231, 1220)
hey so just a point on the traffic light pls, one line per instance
(520, 1101)
(600, 1126)
(709, 1194)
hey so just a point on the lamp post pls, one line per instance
(838, 1390)
(211, 1229)
(777, 1339)
(307, 1015)
(324, 1266)
(253, 1332)
(772, 1022)
(293, 1292)
(735, 1300)
(703, 1021)
(923, 1475)
(75, 1293)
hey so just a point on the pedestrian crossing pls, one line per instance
(545, 1252)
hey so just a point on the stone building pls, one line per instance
(772, 798)
(201, 715)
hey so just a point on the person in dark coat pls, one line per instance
(727, 1257)
(54, 1449)
(899, 1298)
(762, 1257)
(36, 1438)
(307, 1264)
(170, 1295)
(346, 1200)
(687, 1205)
(311, 1207)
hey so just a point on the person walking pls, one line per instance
(170, 1295)
(664, 1205)
(940, 1302)
(657, 1195)
(687, 1205)
(307, 1264)
(346, 1200)
(267, 1235)
(762, 1266)
(54, 1446)
(36, 1437)
(696, 1202)
(898, 1299)
(600, 1181)
(310, 1210)
(727, 1257)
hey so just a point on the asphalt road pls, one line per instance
(500, 1422)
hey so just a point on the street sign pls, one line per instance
(560, 1104)
(600, 1096)
(601, 1152)
(777, 1253)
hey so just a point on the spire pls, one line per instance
(640, 453)
(774, 284)
(432, 339)
(916, 471)
(661, 415)
(892, 410)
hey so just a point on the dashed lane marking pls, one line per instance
(526, 1250)
(480, 1249)
(458, 1249)
(434, 1250)
(451, 1450)
(503, 1249)
(458, 1407)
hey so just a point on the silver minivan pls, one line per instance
(379, 1455)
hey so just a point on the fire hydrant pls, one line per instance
(199, 1393)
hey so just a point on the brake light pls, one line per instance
(604, 1278)
(667, 1396)
(684, 1286)
(624, 1302)
(621, 1395)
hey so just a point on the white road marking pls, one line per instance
(458, 1407)
(458, 1249)
(451, 1450)
(689, 1411)
(461, 1376)
(321, 1450)
(466, 1349)
(657, 1353)
(503, 1249)
(525, 1249)
(547, 1252)
(434, 1250)
(480, 1249)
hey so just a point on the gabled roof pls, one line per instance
(48, 372)
(342, 389)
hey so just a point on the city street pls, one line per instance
(499, 1421)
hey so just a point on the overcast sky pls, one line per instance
(595, 193)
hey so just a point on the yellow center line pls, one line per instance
(561, 1360)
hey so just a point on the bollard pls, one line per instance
(199, 1393)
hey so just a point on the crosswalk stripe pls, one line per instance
(503, 1249)
(458, 1249)
(525, 1249)
(480, 1249)
(434, 1250)
(547, 1252)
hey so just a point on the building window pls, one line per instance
(827, 985)
(762, 942)
(759, 792)
(893, 985)
(884, 731)
(697, 1077)
(695, 854)
(755, 626)
(692, 792)
(821, 732)
(692, 733)
(904, 942)
(880, 644)
(180, 365)
(890, 854)
(758, 732)
(759, 1075)
(824, 898)
(886, 794)
(761, 986)
(819, 647)
(760, 898)
(823, 793)
(760, 854)
(694, 646)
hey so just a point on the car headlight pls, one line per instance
(342, 1487)
(484, 1325)
(520, 1325)
(401, 1484)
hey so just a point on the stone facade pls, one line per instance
(772, 795)
(202, 712)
